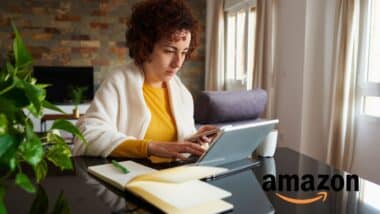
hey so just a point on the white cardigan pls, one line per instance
(118, 112)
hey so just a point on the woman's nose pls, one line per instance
(176, 61)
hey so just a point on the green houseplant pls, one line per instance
(20, 97)
(76, 94)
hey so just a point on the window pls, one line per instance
(374, 47)
(371, 106)
(369, 194)
(369, 75)
(239, 45)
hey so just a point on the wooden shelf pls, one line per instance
(47, 117)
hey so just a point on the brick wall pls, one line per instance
(85, 33)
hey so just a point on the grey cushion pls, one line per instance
(229, 106)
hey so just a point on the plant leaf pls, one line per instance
(6, 142)
(21, 54)
(54, 138)
(61, 205)
(8, 156)
(59, 155)
(2, 207)
(7, 108)
(2, 192)
(69, 127)
(40, 203)
(3, 210)
(40, 170)
(3, 74)
(19, 117)
(17, 97)
(76, 93)
(11, 69)
(3, 125)
(12, 163)
(6, 85)
(35, 95)
(48, 105)
(42, 85)
(23, 181)
(31, 150)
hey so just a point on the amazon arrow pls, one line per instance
(320, 195)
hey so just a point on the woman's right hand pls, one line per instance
(174, 149)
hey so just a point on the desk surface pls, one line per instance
(85, 194)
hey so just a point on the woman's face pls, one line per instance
(167, 58)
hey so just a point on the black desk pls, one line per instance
(85, 194)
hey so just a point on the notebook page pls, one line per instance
(217, 206)
(179, 196)
(181, 174)
(114, 176)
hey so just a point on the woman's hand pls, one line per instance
(205, 128)
(174, 149)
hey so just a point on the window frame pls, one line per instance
(233, 79)
(365, 87)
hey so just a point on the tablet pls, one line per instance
(236, 143)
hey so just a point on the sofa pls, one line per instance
(223, 108)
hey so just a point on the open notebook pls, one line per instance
(174, 190)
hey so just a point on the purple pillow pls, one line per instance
(229, 106)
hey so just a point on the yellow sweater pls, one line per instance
(162, 126)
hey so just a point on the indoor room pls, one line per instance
(189, 106)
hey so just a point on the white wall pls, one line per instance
(289, 65)
(304, 49)
(367, 149)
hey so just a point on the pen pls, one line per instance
(120, 167)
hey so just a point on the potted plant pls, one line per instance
(20, 97)
(77, 95)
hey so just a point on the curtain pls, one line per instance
(341, 133)
(264, 75)
(215, 75)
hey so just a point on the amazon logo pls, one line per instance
(320, 183)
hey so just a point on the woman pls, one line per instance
(143, 109)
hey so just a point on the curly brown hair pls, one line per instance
(153, 20)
